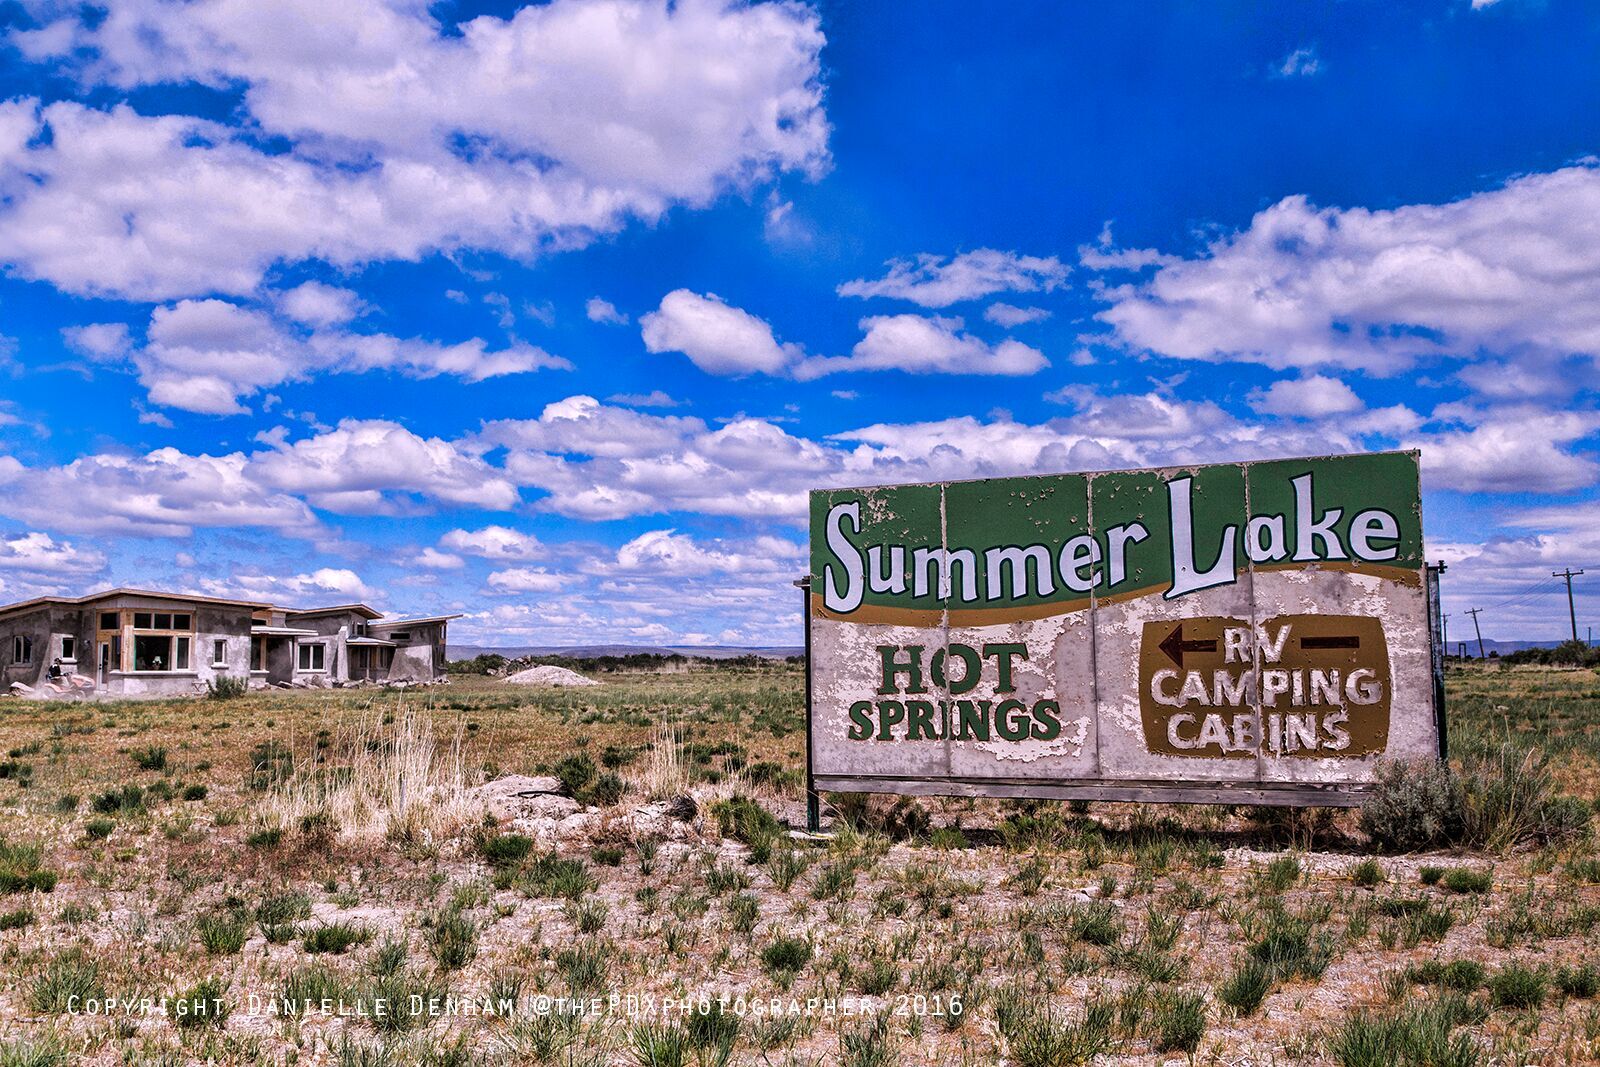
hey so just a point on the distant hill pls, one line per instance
(1490, 647)
(784, 651)
(594, 651)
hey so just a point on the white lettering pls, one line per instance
(1118, 538)
(945, 561)
(1080, 552)
(1186, 578)
(1019, 559)
(894, 581)
(1307, 531)
(849, 597)
(1273, 548)
(1370, 524)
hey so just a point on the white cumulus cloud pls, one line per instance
(934, 282)
(716, 336)
(397, 135)
(928, 344)
(1515, 270)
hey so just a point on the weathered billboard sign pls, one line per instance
(1238, 633)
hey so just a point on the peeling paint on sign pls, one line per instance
(1238, 632)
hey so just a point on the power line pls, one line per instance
(1543, 587)
(1474, 613)
(1572, 612)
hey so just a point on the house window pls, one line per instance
(160, 652)
(108, 620)
(69, 649)
(21, 649)
(400, 635)
(219, 653)
(311, 657)
(258, 654)
(162, 620)
(152, 652)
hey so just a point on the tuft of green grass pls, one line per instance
(551, 876)
(224, 933)
(1416, 1035)
(65, 982)
(1468, 880)
(786, 955)
(1368, 873)
(1280, 874)
(277, 915)
(20, 869)
(150, 758)
(266, 837)
(1247, 986)
(1095, 923)
(1180, 1023)
(1463, 976)
(505, 850)
(1045, 1038)
(868, 1044)
(335, 937)
(1581, 982)
(203, 1004)
(452, 939)
(784, 867)
(658, 1046)
(1517, 985)
(584, 967)
(128, 799)
(744, 820)
(46, 1051)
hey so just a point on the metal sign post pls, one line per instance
(813, 802)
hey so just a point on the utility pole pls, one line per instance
(1572, 613)
(1474, 614)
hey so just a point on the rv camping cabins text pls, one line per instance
(1239, 632)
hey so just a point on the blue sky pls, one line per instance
(551, 314)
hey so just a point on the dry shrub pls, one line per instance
(662, 773)
(1500, 799)
(377, 779)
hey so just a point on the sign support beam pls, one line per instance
(813, 801)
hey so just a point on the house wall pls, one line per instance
(339, 628)
(45, 625)
(231, 625)
(212, 622)
(421, 656)
(280, 660)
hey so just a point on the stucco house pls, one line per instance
(139, 642)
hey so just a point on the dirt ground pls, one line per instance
(324, 877)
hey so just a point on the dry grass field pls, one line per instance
(318, 877)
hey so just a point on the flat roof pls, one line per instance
(391, 624)
(106, 594)
(359, 609)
